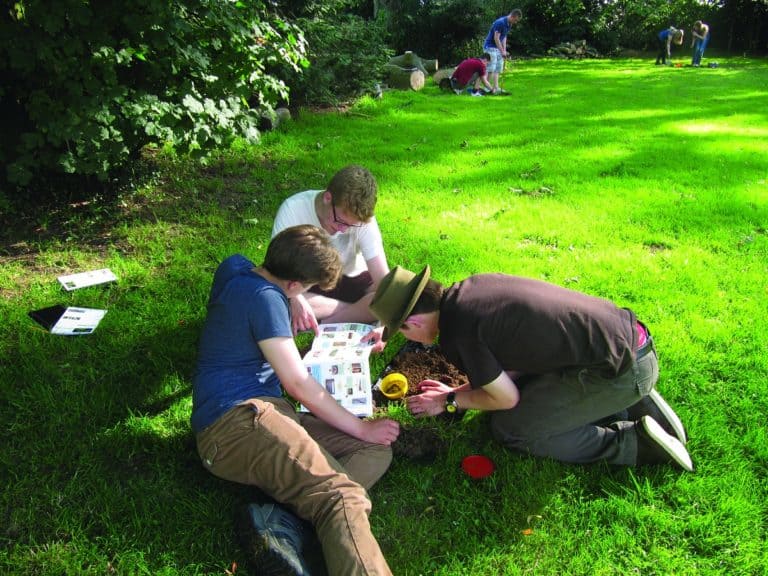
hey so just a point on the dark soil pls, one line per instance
(418, 363)
(421, 445)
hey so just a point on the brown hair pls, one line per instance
(430, 298)
(354, 188)
(304, 254)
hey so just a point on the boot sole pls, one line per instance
(669, 415)
(671, 445)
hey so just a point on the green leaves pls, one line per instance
(94, 82)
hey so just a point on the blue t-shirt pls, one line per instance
(664, 33)
(243, 309)
(500, 25)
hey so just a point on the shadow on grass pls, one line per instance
(97, 447)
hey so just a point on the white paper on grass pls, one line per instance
(77, 321)
(339, 362)
(83, 279)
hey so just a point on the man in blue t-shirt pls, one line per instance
(317, 465)
(496, 45)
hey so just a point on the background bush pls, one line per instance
(84, 85)
(88, 84)
(347, 55)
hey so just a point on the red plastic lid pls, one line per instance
(477, 466)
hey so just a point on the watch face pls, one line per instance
(450, 408)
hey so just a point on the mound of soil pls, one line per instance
(417, 363)
(421, 445)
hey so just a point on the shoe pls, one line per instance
(277, 542)
(654, 446)
(477, 93)
(657, 408)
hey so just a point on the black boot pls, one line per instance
(278, 543)
(654, 446)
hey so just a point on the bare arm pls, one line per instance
(302, 315)
(499, 44)
(377, 268)
(283, 356)
(499, 394)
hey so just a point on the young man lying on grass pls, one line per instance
(317, 465)
(568, 376)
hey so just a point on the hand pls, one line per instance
(302, 316)
(380, 431)
(374, 337)
(431, 401)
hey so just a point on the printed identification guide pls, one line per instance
(339, 362)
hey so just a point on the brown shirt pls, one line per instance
(495, 322)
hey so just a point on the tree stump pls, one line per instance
(442, 73)
(404, 78)
(411, 60)
(271, 119)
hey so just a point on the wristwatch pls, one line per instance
(450, 403)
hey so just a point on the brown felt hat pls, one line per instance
(396, 296)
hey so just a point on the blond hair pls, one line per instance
(354, 189)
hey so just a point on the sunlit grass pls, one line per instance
(646, 185)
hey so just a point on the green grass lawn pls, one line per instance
(646, 185)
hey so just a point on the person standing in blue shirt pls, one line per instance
(496, 45)
(316, 465)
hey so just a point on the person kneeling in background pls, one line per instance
(470, 75)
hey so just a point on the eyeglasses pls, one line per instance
(342, 222)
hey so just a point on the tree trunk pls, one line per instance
(404, 78)
(411, 60)
(442, 73)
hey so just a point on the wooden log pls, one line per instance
(442, 73)
(270, 120)
(430, 65)
(411, 60)
(404, 78)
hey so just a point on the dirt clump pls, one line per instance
(417, 363)
(419, 444)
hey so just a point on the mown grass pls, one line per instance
(642, 184)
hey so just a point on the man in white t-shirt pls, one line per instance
(344, 210)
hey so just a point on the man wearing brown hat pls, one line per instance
(568, 376)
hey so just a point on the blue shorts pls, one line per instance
(497, 61)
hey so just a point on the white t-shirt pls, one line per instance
(356, 245)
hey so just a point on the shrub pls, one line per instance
(88, 84)
(347, 55)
